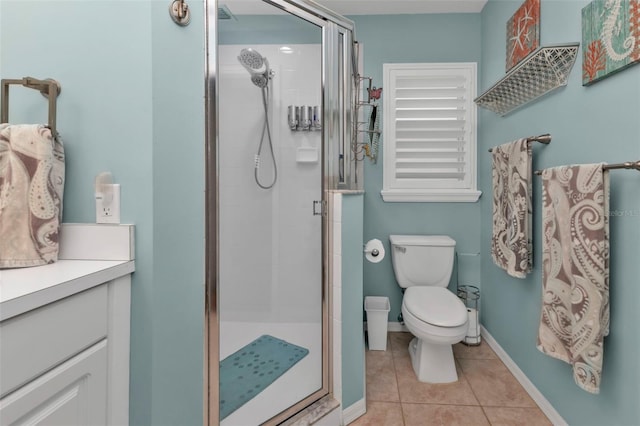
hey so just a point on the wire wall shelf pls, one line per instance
(543, 71)
(366, 132)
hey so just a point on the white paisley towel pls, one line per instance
(511, 247)
(31, 188)
(575, 258)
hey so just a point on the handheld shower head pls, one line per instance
(257, 65)
(251, 60)
(260, 80)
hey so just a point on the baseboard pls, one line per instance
(528, 386)
(392, 326)
(355, 410)
(397, 326)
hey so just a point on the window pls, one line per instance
(430, 132)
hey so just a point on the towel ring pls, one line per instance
(49, 88)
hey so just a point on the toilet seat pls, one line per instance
(436, 306)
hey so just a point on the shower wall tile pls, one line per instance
(337, 359)
(271, 225)
(337, 270)
(337, 207)
(337, 231)
(336, 287)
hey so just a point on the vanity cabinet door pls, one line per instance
(73, 393)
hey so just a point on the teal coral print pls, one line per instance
(610, 38)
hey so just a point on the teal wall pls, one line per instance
(118, 111)
(416, 38)
(131, 103)
(352, 300)
(178, 55)
(588, 124)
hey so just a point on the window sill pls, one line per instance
(430, 196)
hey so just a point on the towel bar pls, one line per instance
(628, 165)
(544, 139)
(49, 88)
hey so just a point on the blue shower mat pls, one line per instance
(250, 370)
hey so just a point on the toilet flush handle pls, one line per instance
(401, 249)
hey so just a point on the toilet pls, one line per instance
(433, 314)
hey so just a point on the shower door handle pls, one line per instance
(319, 207)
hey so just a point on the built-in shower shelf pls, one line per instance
(543, 71)
(307, 155)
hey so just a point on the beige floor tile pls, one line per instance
(388, 348)
(482, 351)
(381, 377)
(400, 341)
(483, 380)
(504, 416)
(443, 415)
(493, 384)
(381, 414)
(412, 390)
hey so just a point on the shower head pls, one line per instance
(260, 80)
(257, 65)
(251, 59)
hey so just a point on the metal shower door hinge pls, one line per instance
(321, 205)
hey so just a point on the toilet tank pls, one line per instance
(422, 260)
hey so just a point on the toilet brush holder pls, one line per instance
(470, 296)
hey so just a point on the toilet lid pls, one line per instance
(436, 306)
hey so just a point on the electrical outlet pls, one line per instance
(108, 204)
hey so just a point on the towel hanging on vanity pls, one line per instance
(511, 247)
(31, 187)
(575, 257)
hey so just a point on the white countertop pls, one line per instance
(24, 289)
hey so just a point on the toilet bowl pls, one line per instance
(434, 315)
(436, 319)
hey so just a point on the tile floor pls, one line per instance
(486, 392)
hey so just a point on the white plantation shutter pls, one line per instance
(429, 132)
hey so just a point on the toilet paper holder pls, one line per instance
(374, 252)
(470, 296)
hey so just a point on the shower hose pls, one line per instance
(266, 129)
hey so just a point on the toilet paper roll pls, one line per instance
(473, 332)
(374, 251)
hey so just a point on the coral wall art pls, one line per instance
(523, 32)
(610, 38)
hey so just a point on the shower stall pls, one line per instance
(280, 88)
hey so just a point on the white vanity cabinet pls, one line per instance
(64, 343)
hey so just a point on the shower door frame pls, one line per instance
(335, 130)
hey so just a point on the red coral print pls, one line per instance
(594, 60)
(523, 37)
(634, 27)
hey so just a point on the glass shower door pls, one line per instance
(270, 183)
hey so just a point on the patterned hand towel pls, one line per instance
(575, 257)
(31, 188)
(511, 247)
